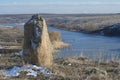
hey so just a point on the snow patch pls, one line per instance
(32, 73)
(13, 72)
(32, 70)
(69, 64)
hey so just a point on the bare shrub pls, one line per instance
(54, 36)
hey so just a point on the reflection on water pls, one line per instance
(91, 46)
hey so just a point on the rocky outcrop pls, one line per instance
(37, 47)
(113, 30)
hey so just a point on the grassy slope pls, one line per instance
(77, 22)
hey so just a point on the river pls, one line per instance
(87, 45)
(94, 47)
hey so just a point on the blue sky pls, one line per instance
(59, 6)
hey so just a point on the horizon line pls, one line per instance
(55, 13)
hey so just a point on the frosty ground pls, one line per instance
(62, 69)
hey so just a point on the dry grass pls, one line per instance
(54, 36)
(10, 34)
(59, 44)
(66, 69)
(13, 47)
(85, 23)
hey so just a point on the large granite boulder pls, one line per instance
(37, 48)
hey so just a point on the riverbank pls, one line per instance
(101, 24)
(86, 44)
(65, 69)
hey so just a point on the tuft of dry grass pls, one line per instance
(59, 44)
(54, 36)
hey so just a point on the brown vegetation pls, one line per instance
(10, 38)
(76, 22)
(66, 69)
(54, 36)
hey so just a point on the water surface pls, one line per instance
(91, 46)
